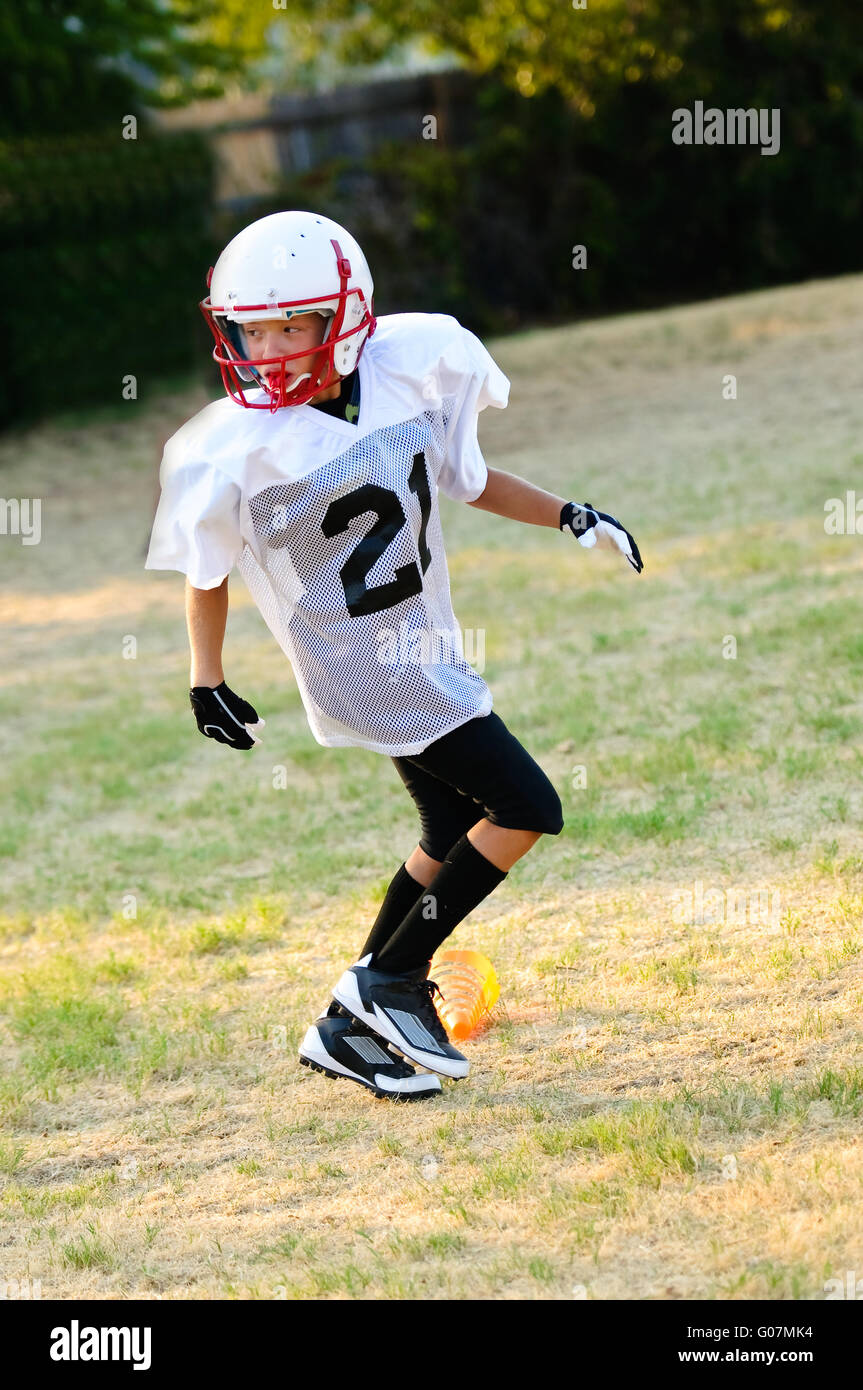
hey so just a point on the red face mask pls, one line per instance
(277, 393)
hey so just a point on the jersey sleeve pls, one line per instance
(197, 524)
(463, 474)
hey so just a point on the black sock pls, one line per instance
(460, 884)
(400, 898)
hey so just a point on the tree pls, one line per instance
(586, 53)
(79, 66)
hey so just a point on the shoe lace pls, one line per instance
(427, 990)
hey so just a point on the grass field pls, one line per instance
(669, 1102)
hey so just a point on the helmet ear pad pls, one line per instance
(346, 353)
(329, 317)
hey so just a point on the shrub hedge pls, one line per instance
(102, 243)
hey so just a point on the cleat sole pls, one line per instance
(367, 1085)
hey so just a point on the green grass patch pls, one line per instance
(657, 1140)
(88, 1251)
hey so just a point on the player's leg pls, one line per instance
(341, 1046)
(503, 847)
(445, 814)
(421, 866)
(404, 889)
(484, 762)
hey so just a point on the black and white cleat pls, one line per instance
(400, 1009)
(341, 1048)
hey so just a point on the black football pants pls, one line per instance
(478, 770)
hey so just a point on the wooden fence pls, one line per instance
(260, 143)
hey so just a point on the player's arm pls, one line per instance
(507, 495)
(220, 714)
(206, 619)
(514, 497)
(521, 501)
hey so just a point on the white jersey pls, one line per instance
(336, 530)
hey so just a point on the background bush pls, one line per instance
(104, 247)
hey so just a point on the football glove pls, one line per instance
(592, 528)
(222, 715)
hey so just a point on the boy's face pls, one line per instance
(279, 337)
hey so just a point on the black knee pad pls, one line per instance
(541, 811)
(544, 806)
(550, 813)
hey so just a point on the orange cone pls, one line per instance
(469, 990)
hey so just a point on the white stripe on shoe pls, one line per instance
(414, 1030)
(370, 1051)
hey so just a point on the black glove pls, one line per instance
(224, 716)
(593, 528)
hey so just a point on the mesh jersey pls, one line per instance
(336, 530)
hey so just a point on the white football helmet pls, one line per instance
(285, 264)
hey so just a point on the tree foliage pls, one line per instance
(67, 64)
(700, 48)
(79, 66)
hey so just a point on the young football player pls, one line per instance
(317, 476)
